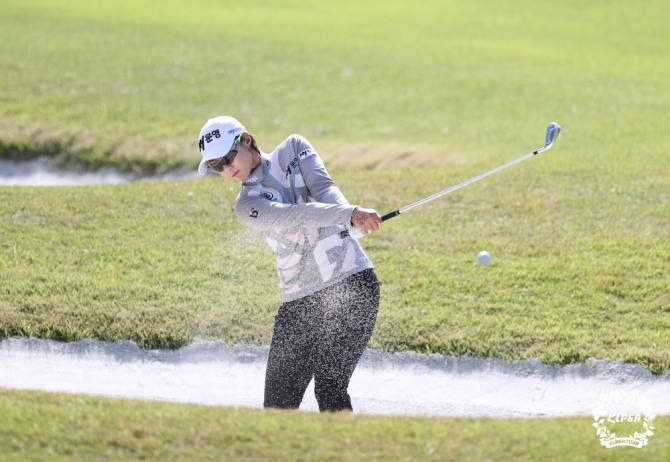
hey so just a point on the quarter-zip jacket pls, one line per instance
(291, 201)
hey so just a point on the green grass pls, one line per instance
(577, 236)
(402, 100)
(167, 263)
(131, 83)
(41, 426)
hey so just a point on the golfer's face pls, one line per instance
(240, 168)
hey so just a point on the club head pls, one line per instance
(553, 130)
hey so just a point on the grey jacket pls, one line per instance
(292, 202)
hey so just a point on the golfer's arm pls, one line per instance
(261, 214)
(321, 186)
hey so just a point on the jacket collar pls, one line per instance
(258, 173)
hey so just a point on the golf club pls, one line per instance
(552, 132)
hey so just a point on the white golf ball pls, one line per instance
(484, 258)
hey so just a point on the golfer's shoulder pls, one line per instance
(293, 145)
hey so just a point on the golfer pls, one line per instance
(329, 288)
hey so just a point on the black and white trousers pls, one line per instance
(323, 336)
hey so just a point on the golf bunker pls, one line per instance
(216, 374)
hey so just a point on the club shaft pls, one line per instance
(409, 207)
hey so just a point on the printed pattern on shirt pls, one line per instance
(310, 256)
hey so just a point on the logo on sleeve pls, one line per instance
(267, 193)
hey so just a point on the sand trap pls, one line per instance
(41, 172)
(213, 373)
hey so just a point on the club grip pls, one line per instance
(388, 216)
(358, 234)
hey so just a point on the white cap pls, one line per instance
(216, 139)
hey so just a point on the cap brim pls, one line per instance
(202, 168)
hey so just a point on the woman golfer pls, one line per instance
(329, 288)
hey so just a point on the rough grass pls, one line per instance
(578, 237)
(166, 263)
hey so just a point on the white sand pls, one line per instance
(213, 373)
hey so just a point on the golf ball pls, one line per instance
(484, 258)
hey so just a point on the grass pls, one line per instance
(114, 262)
(136, 85)
(402, 100)
(41, 426)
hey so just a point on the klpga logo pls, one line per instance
(627, 412)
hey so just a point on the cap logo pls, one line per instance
(207, 138)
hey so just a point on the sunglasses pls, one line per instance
(217, 165)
